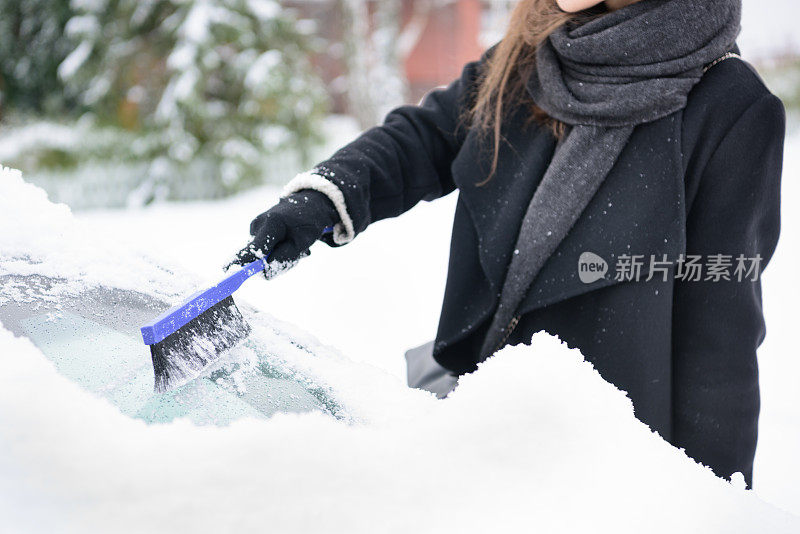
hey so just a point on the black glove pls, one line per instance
(289, 228)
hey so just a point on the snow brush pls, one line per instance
(189, 337)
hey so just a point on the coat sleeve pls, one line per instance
(390, 168)
(718, 325)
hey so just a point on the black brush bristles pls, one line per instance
(182, 355)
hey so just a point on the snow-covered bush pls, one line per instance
(32, 45)
(209, 88)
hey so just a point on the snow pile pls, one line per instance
(39, 237)
(535, 440)
(27, 213)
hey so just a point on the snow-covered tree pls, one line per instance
(212, 85)
(32, 45)
(375, 78)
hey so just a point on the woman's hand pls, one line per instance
(287, 230)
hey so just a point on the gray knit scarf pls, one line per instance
(602, 78)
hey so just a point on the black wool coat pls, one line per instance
(702, 181)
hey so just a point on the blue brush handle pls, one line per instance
(177, 316)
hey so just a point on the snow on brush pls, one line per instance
(535, 439)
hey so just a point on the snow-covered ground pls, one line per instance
(380, 295)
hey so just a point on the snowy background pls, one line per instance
(769, 27)
(372, 300)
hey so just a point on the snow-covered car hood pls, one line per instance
(535, 440)
(80, 298)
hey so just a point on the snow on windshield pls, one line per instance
(46, 255)
(39, 237)
(535, 440)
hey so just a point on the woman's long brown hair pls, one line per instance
(503, 80)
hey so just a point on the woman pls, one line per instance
(602, 153)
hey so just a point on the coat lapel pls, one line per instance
(638, 210)
(498, 207)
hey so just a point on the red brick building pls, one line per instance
(450, 39)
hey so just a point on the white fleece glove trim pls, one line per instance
(343, 231)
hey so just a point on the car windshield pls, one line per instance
(93, 338)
